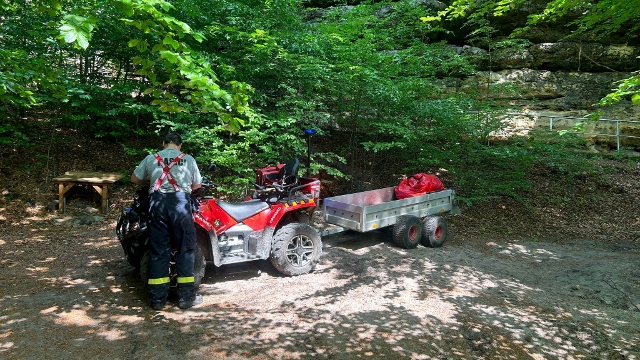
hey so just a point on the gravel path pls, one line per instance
(68, 292)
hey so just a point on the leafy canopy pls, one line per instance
(241, 79)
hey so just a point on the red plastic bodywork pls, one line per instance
(212, 217)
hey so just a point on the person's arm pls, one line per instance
(139, 174)
(135, 180)
(196, 177)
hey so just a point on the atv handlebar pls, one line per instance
(207, 183)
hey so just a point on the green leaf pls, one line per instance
(56, 4)
(142, 46)
(70, 36)
(170, 56)
(199, 37)
(125, 7)
(635, 98)
(430, 18)
(83, 40)
(170, 41)
(166, 6)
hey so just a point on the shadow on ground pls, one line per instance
(367, 299)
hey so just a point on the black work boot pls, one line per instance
(158, 305)
(185, 304)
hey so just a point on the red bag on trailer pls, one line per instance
(417, 185)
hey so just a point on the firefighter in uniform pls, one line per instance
(172, 176)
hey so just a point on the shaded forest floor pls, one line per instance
(557, 277)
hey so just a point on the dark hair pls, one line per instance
(173, 138)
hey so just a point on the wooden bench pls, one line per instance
(99, 181)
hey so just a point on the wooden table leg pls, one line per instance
(105, 198)
(61, 197)
(104, 192)
(62, 190)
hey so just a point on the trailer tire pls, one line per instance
(296, 249)
(407, 231)
(434, 231)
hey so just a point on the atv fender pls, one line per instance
(208, 242)
(265, 243)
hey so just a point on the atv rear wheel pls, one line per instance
(199, 266)
(407, 231)
(296, 249)
(434, 231)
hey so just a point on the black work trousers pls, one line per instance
(171, 228)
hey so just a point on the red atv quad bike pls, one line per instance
(274, 223)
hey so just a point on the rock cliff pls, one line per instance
(561, 79)
(554, 74)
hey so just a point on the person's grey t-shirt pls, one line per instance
(185, 172)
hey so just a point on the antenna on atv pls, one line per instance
(309, 133)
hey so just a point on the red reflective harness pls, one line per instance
(165, 172)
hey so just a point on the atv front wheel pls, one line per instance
(144, 267)
(133, 238)
(296, 249)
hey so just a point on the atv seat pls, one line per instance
(289, 172)
(243, 210)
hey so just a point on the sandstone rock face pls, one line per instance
(569, 56)
(557, 77)
(556, 100)
(561, 79)
(551, 90)
(562, 56)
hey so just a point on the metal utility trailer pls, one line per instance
(414, 219)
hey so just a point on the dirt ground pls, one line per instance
(68, 292)
(556, 279)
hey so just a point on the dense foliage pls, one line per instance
(241, 79)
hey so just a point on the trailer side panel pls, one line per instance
(375, 209)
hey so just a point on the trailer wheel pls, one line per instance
(434, 231)
(407, 231)
(296, 249)
(199, 267)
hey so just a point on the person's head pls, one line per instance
(172, 138)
